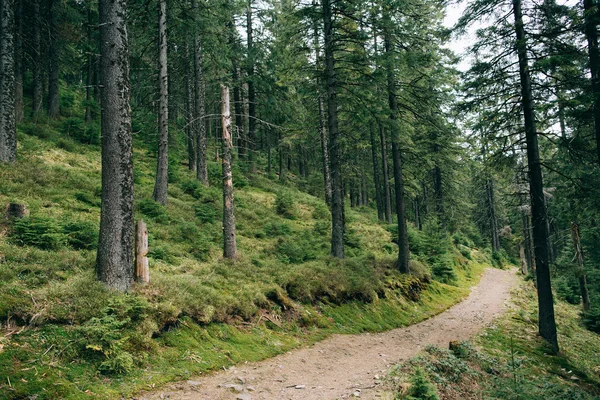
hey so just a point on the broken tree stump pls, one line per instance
(142, 270)
(14, 210)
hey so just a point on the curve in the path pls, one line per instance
(343, 366)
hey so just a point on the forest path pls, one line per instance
(348, 366)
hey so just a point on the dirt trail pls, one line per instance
(344, 366)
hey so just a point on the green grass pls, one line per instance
(66, 336)
(509, 360)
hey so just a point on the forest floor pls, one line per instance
(347, 366)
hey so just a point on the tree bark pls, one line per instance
(90, 66)
(200, 109)
(239, 113)
(337, 199)
(189, 112)
(387, 193)
(581, 274)
(38, 91)
(376, 177)
(590, 14)
(491, 202)
(251, 90)
(54, 55)
(19, 113)
(114, 262)
(438, 188)
(162, 166)
(547, 323)
(142, 270)
(229, 240)
(403, 249)
(8, 127)
(322, 122)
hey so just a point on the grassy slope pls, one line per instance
(510, 361)
(200, 312)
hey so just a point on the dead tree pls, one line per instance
(229, 242)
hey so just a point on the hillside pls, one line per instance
(66, 336)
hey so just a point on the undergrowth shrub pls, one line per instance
(284, 205)
(206, 213)
(43, 233)
(109, 335)
(88, 198)
(80, 131)
(591, 318)
(421, 388)
(152, 209)
(81, 235)
(321, 212)
(442, 268)
(322, 228)
(294, 251)
(275, 229)
(190, 186)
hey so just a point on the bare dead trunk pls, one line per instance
(114, 262)
(229, 241)
(8, 127)
(162, 167)
(142, 270)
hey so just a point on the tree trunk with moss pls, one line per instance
(8, 129)
(114, 262)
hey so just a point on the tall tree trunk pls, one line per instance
(239, 113)
(19, 114)
(229, 241)
(8, 129)
(251, 90)
(403, 249)
(162, 165)
(438, 189)
(547, 323)
(325, 152)
(54, 55)
(38, 91)
(114, 262)
(90, 66)
(581, 274)
(491, 202)
(387, 193)
(322, 121)
(591, 20)
(417, 209)
(376, 177)
(189, 112)
(200, 108)
(337, 199)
